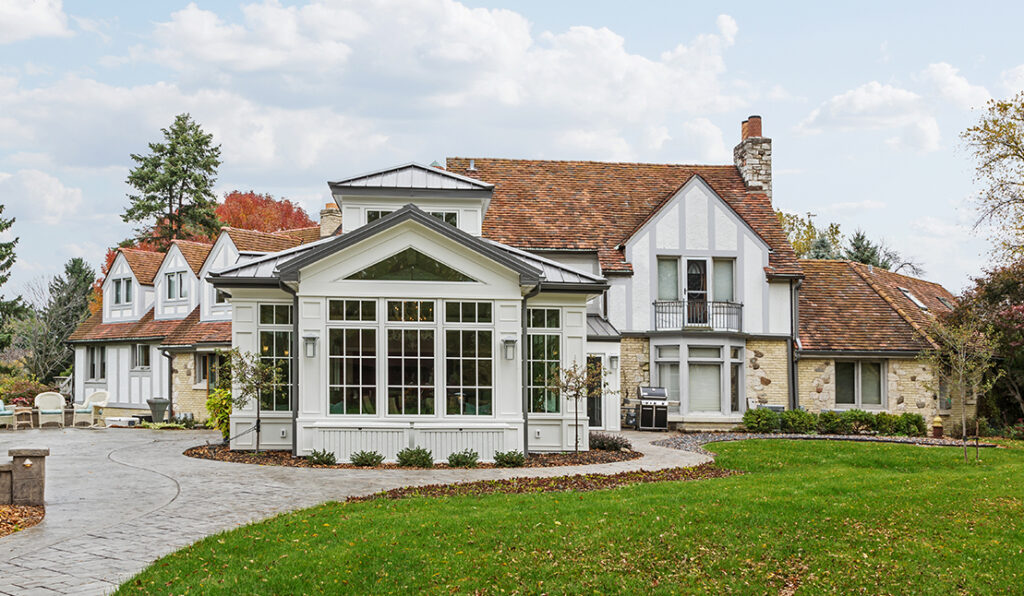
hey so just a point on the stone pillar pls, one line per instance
(753, 157)
(330, 220)
(5, 484)
(28, 476)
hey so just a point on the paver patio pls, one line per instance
(118, 499)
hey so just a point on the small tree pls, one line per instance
(9, 309)
(174, 185)
(806, 237)
(962, 360)
(577, 382)
(251, 378)
(254, 211)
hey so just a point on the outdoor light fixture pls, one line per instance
(309, 342)
(613, 362)
(510, 347)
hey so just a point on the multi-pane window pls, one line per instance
(735, 378)
(448, 217)
(467, 312)
(177, 286)
(352, 310)
(202, 368)
(140, 356)
(469, 366)
(410, 371)
(859, 384)
(410, 265)
(696, 291)
(275, 336)
(544, 359)
(96, 362)
(411, 311)
(352, 381)
(122, 291)
(373, 215)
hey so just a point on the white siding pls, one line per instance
(643, 290)
(177, 308)
(223, 254)
(697, 227)
(779, 311)
(142, 296)
(667, 228)
(354, 210)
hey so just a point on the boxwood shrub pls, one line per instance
(831, 423)
(609, 442)
(366, 459)
(415, 457)
(761, 420)
(509, 459)
(466, 458)
(858, 421)
(799, 422)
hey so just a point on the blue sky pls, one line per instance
(864, 102)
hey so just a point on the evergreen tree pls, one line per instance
(862, 250)
(12, 308)
(822, 248)
(174, 185)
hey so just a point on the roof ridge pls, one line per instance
(594, 161)
(892, 303)
(277, 234)
(184, 241)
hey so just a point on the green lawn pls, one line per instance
(822, 516)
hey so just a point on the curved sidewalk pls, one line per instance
(118, 499)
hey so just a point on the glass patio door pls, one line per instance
(594, 390)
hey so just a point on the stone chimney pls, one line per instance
(330, 220)
(753, 156)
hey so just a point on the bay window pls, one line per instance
(859, 384)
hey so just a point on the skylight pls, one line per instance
(945, 302)
(913, 298)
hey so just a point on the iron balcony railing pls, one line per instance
(672, 315)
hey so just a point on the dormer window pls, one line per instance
(220, 297)
(176, 288)
(373, 215)
(449, 217)
(122, 291)
(910, 296)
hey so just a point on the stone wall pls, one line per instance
(187, 399)
(816, 390)
(767, 372)
(753, 157)
(634, 365)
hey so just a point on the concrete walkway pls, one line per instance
(118, 499)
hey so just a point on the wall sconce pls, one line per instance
(309, 345)
(509, 343)
(613, 362)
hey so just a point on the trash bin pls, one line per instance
(158, 407)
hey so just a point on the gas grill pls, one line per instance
(652, 411)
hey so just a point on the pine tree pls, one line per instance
(822, 248)
(9, 309)
(863, 250)
(174, 185)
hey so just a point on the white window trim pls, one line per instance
(122, 290)
(136, 349)
(910, 295)
(92, 362)
(857, 398)
(179, 277)
(291, 357)
(561, 353)
(443, 356)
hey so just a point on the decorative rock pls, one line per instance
(921, 403)
(913, 377)
(819, 388)
(761, 399)
(819, 368)
(766, 381)
(899, 400)
(755, 366)
(758, 354)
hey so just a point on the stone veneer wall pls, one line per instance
(909, 388)
(634, 369)
(186, 398)
(767, 372)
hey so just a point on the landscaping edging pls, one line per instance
(695, 441)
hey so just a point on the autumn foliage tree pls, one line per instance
(262, 212)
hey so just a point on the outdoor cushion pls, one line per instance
(51, 411)
(85, 411)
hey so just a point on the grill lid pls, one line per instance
(652, 393)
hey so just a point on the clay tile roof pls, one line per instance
(192, 331)
(846, 306)
(584, 205)
(305, 235)
(146, 328)
(144, 263)
(253, 241)
(195, 253)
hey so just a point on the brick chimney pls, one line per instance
(330, 220)
(753, 156)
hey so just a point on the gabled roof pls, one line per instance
(412, 175)
(143, 263)
(586, 205)
(305, 235)
(254, 241)
(195, 253)
(191, 332)
(601, 329)
(146, 328)
(850, 307)
(555, 275)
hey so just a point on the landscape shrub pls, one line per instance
(184, 420)
(832, 423)
(609, 442)
(22, 391)
(858, 421)
(366, 459)
(1016, 432)
(799, 422)
(889, 424)
(914, 425)
(509, 459)
(161, 425)
(322, 458)
(761, 420)
(467, 458)
(218, 405)
(415, 457)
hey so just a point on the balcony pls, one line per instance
(679, 315)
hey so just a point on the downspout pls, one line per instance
(170, 382)
(794, 330)
(293, 393)
(526, 373)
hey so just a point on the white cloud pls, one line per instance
(25, 19)
(874, 106)
(606, 144)
(707, 140)
(38, 196)
(947, 82)
(855, 206)
(1013, 79)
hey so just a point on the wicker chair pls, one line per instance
(86, 411)
(6, 415)
(51, 408)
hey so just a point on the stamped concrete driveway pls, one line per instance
(118, 499)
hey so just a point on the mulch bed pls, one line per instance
(695, 441)
(284, 458)
(14, 518)
(577, 483)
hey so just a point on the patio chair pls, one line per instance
(86, 411)
(51, 408)
(6, 415)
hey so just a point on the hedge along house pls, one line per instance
(861, 332)
(411, 329)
